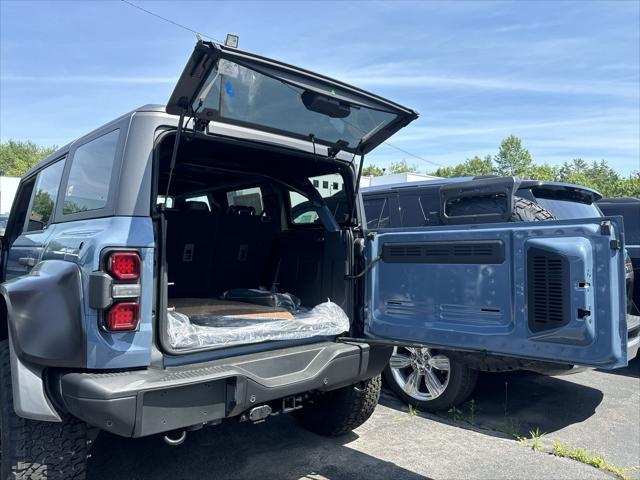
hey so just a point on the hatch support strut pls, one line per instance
(174, 153)
(356, 190)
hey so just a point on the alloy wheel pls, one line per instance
(420, 372)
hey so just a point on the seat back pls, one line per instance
(191, 240)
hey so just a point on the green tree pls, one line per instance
(470, 168)
(372, 171)
(402, 167)
(597, 175)
(512, 157)
(546, 172)
(16, 157)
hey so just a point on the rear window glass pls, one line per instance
(237, 93)
(248, 197)
(631, 214)
(377, 212)
(90, 174)
(566, 210)
(44, 197)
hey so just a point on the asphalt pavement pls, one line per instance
(595, 410)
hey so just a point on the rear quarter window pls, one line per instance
(418, 209)
(44, 197)
(90, 174)
(377, 212)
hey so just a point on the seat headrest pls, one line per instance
(199, 206)
(241, 210)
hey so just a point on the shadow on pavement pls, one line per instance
(516, 403)
(276, 449)
(632, 370)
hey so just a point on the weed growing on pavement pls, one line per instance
(413, 411)
(458, 414)
(536, 439)
(511, 427)
(472, 412)
(581, 455)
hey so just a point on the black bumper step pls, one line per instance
(137, 403)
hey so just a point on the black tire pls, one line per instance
(33, 450)
(527, 211)
(462, 382)
(338, 412)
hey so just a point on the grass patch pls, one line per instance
(465, 414)
(536, 439)
(581, 455)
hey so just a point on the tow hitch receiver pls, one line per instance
(261, 413)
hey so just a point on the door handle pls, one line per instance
(27, 261)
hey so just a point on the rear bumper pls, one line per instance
(145, 402)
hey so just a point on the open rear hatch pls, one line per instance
(231, 86)
(212, 251)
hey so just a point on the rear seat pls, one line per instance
(244, 246)
(191, 238)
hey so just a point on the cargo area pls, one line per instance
(248, 257)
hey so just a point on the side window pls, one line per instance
(248, 197)
(331, 188)
(302, 212)
(411, 212)
(44, 197)
(201, 202)
(377, 212)
(90, 174)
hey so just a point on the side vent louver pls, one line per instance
(548, 290)
(461, 252)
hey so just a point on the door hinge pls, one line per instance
(615, 244)
(605, 228)
(200, 125)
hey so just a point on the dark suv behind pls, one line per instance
(629, 208)
(434, 378)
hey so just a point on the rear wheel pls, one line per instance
(339, 411)
(428, 379)
(32, 450)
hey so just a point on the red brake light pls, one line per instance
(124, 265)
(123, 316)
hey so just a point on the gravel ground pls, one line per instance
(596, 410)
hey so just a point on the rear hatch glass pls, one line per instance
(230, 86)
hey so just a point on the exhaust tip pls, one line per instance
(175, 438)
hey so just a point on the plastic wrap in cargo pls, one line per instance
(326, 319)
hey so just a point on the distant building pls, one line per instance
(8, 188)
(394, 178)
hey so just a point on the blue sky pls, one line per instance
(563, 76)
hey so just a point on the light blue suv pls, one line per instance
(156, 281)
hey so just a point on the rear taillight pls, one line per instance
(123, 310)
(124, 265)
(123, 316)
